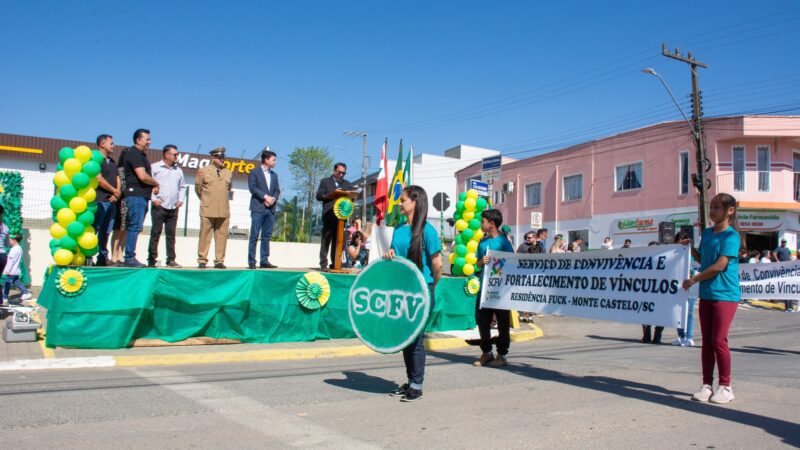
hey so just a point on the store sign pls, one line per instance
(759, 221)
(193, 162)
(638, 224)
(389, 305)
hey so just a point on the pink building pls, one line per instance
(623, 186)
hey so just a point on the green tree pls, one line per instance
(308, 166)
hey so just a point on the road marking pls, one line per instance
(289, 429)
(58, 363)
(47, 352)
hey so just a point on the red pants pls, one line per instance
(715, 321)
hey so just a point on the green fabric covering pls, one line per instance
(121, 305)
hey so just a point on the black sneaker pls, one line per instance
(400, 391)
(174, 265)
(412, 395)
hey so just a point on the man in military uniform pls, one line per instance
(213, 184)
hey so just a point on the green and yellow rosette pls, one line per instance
(472, 285)
(343, 208)
(71, 281)
(312, 290)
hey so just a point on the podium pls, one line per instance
(333, 196)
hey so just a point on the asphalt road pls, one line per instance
(586, 384)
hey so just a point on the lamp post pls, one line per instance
(700, 177)
(362, 134)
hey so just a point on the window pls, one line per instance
(499, 196)
(533, 194)
(628, 176)
(573, 187)
(683, 175)
(763, 167)
(738, 168)
(796, 168)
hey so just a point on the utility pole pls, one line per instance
(362, 134)
(703, 164)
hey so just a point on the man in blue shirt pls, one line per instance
(491, 220)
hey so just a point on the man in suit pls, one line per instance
(329, 220)
(264, 193)
(212, 186)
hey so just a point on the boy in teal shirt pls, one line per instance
(491, 221)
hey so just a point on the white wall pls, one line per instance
(285, 255)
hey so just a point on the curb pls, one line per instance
(437, 344)
(768, 305)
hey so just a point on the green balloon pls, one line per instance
(474, 224)
(462, 196)
(460, 206)
(86, 218)
(467, 234)
(91, 251)
(76, 229)
(53, 250)
(66, 153)
(57, 203)
(68, 242)
(457, 270)
(55, 243)
(461, 250)
(480, 204)
(459, 240)
(80, 180)
(55, 217)
(97, 156)
(460, 261)
(457, 215)
(90, 168)
(68, 192)
(59, 166)
(92, 207)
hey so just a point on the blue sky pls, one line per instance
(521, 77)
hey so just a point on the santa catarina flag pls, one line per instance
(382, 189)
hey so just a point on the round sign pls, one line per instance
(389, 305)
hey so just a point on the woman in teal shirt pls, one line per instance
(417, 241)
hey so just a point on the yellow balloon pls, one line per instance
(83, 153)
(468, 215)
(61, 178)
(473, 194)
(88, 194)
(64, 217)
(63, 257)
(77, 205)
(71, 167)
(477, 236)
(78, 260)
(472, 246)
(89, 230)
(57, 231)
(468, 269)
(461, 225)
(469, 205)
(471, 258)
(87, 241)
(93, 183)
(452, 258)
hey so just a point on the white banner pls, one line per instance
(770, 281)
(637, 285)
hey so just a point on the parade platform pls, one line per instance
(117, 306)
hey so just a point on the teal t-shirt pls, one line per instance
(724, 286)
(431, 245)
(499, 243)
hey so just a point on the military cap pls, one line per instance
(219, 151)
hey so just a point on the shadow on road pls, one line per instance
(788, 431)
(359, 381)
(764, 351)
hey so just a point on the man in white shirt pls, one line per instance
(166, 204)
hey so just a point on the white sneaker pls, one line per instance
(703, 394)
(724, 394)
(678, 341)
(27, 296)
(688, 342)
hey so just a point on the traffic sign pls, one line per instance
(441, 201)
(490, 169)
(480, 186)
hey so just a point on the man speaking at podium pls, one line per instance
(329, 221)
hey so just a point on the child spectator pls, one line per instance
(12, 270)
(684, 338)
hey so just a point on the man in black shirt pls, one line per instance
(329, 221)
(108, 194)
(139, 185)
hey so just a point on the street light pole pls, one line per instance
(362, 134)
(697, 133)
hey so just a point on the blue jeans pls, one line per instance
(689, 323)
(103, 222)
(261, 223)
(137, 209)
(414, 354)
(15, 281)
